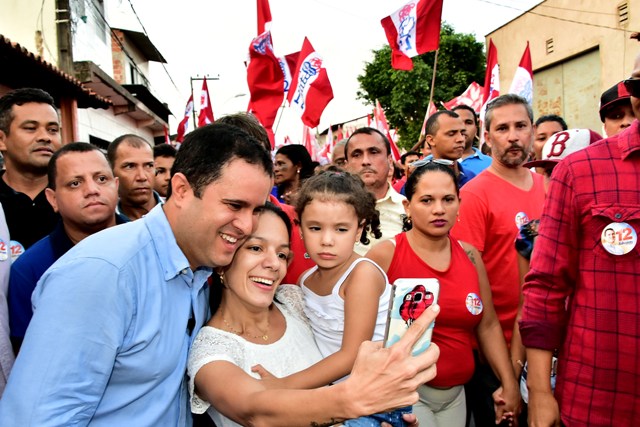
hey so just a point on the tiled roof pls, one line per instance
(21, 68)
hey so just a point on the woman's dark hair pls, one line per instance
(412, 183)
(300, 158)
(334, 183)
(215, 281)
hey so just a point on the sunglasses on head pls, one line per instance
(633, 87)
(422, 162)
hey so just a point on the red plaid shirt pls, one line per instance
(598, 335)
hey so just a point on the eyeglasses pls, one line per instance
(422, 162)
(633, 87)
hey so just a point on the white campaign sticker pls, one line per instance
(618, 238)
(4, 250)
(473, 303)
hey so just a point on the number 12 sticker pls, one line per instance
(618, 238)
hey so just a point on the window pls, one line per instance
(623, 14)
(549, 46)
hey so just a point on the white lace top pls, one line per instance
(295, 351)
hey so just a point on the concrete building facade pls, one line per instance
(579, 48)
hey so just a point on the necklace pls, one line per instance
(264, 336)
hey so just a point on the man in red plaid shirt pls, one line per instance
(582, 295)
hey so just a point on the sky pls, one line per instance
(211, 38)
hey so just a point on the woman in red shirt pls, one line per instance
(426, 250)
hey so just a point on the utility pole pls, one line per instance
(63, 27)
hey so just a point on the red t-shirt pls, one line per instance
(460, 308)
(491, 213)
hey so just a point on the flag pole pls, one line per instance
(418, 144)
(281, 112)
(433, 79)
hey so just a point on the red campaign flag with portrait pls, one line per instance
(310, 88)
(265, 80)
(412, 30)
(184, 123)
(206, 111)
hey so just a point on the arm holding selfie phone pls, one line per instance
(381, 379)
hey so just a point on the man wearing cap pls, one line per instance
(581, 298)
(615, 109)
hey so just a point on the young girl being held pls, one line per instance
(346, 295)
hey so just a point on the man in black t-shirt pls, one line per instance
(29, 135)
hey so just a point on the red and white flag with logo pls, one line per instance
(522, 83)
(288, 65)
(265, 80)
(206, 111)
(264, 16)
(383, 126)
(310, 89)
(412, 30)
(471, 97)
(431, 110)
(184, 123)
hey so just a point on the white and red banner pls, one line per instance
(310, 89)
(206, 111)
(431, 110)
(309, 141)
(265, 80)
(383, 126)
(471, 97)
(264, 16)
(522, 83)
(184, 123)
(288, 65)
(412, 30)
(492, 78)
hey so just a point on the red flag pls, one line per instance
(310, 89)
(308, 139)
(431, 110)
(288, 65)
(206, 111)
(383, 126)
(471, 97)
(492, 78)
(522, 83)
(265, 80)
(167, 140)
(413, 30)
(184, 124)
(264, 16)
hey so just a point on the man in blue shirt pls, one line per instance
(446, 137)
(115, 316)
(82, 189)
(472, 158)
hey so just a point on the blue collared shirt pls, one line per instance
(477, 162)
(110, 334)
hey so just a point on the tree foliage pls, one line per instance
(404, 95)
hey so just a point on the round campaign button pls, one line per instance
(618, 238)
(16, 250)
(521, 219)
(4, 250)
(473, 303)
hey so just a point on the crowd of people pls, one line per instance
(218, 285)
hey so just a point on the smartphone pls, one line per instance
(409, 299)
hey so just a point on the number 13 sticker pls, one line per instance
(618, 238)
